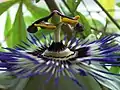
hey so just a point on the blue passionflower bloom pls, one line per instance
(65, 58)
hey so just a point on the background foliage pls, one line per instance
(15, 30)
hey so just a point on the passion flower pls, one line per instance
(59, 57)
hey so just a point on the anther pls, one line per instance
(76, 17)
(45, 26)
(71, 21)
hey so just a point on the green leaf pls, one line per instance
(95, 24)
(28, 20)
(73, 4)
(111, 28)
(64, 9)
(7, 30)
(37, 12)
(5, 5)
(108, 5)
(37, 1)
(84, 21)
(118, 4)
(8, 24)
(18, 30)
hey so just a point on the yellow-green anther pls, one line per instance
(76, 17)
(71, 21)
(46, 26)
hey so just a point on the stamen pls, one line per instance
(69, 21)
(76, 17)
(45, 26)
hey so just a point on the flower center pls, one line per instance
(58, 51)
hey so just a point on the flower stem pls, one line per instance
(57, 33)
(52, 5)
